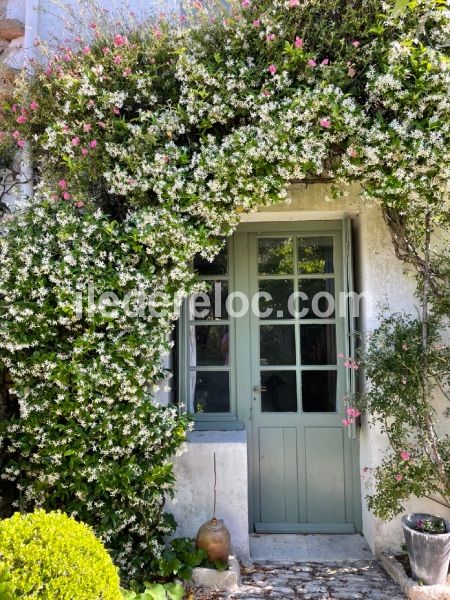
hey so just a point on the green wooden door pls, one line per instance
(302, 459)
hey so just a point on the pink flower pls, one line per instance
(75, 141)
(62, 184)
(347, 422)
(93, 144)
(352, 153)
(256, 23)
(325, 61)
(127, 71)
(87, 127)
(272, 69)
(246, 3)
(84, 151)
(311, 62)
(117, 59)
(14, 108)
(266, 93)
(299, 43)
(327, 124)
(351, 72)
(293, 3)
(116, 110)
(79, 204)
(356, 43)
(16, 134)
(353, 412)
(105, 50)
(66, 196)
(86, 50)
(21, 119)
(119, 40)
(91, 103)
(93, 25)
(365, 469)
(398, 477)
(101, 124)
(350, 364)
(21, 143)
(404, 455)
(34, 105)
(270, 37)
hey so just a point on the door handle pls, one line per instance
(259, 388)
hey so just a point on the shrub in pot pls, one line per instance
(428, 542)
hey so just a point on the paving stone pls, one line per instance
(362, 580)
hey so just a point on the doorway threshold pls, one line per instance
(309, 547)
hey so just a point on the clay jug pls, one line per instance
(214, 538)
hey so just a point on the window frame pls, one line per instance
(208, 420)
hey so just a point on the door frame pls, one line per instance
(245, 345)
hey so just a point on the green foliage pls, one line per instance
(156, 591)
(108, 445)
(399, 399)
(44, 556)
(178, 560)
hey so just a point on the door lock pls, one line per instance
(259, 388)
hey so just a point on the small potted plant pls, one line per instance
(428, 542)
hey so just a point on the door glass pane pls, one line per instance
(210, 391)
(319, 391)
(210, 305)
(277, 344)
(279, 392)
(315, 254)
(278, 293)
(217, 267)
(319, 300)
(318, 344)
(209, 345)
(275, 256)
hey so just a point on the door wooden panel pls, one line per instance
(325, 474)
(278, 474)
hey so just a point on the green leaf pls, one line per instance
(175, 591)
(400, 7)
(155, 591)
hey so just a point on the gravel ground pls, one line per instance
(362, 580)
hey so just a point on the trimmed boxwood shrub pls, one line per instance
(50, 556)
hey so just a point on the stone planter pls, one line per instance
(429, 554)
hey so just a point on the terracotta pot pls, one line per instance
(214, 538)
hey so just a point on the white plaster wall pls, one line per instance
(194, 472)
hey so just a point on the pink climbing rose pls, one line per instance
(62, 184)
(298, 43)
(93, 144)
(272, 69)
(34, 105)
(327, 124)
(404, 455)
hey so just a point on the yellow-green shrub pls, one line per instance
(50, 556)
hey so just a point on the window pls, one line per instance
(206, 344)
